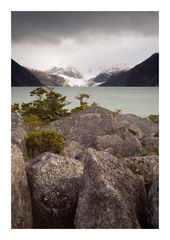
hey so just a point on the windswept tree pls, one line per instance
(83, 103)
(39, 93)
(81, 97)
(47, 107)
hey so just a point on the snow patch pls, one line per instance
(77, 82)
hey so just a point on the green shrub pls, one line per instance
(154, 118)
(39, 141)
(32, 122)
(83, 106)
(151, 150)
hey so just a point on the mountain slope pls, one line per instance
(143, 74)
(47, 79)
(65, 70)
(21, 76)
(108, 72)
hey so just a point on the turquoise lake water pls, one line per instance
(141, 101)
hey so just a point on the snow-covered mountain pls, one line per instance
(65, 70)
(71, 75)
(68, 76)
(116, 68)
(108, 72)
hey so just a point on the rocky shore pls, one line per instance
(106, 177)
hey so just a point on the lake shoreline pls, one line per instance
(141, 101)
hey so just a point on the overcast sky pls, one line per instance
(83, 39)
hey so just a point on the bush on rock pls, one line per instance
(39, 141)
(154, 118)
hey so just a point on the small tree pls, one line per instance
(48, 106)
(54, 104)
(38, 92)
(81, 98)
(83, 104)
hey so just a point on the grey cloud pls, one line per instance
(53, 27)
(83, 39)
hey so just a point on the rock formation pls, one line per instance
(104, 177)
(85, 126)
(55, 182)
(112, 196)
(153, 205)
(146, 166)
(20, 194)
(120, 144)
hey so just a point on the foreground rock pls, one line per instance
(20, 194)
(55, 183)
(146, 166)
(17, 132)
(153, 207)
(112, 196)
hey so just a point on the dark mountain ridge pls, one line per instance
(21, 76)
(143, 74)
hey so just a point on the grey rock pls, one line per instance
(20, 193)
(140, 126)
(55, 182)
(112, 196)
(17, 131)
(85, 126)
(147, 166)
(72, 149)
(153, 206)
(120, 145)
(150, 144)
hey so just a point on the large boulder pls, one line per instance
(55, 182)
(146, 166)
(153, 205)
(138, 126)
(121, 144)
(20, 194)
(85, 126)
(112, 196)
